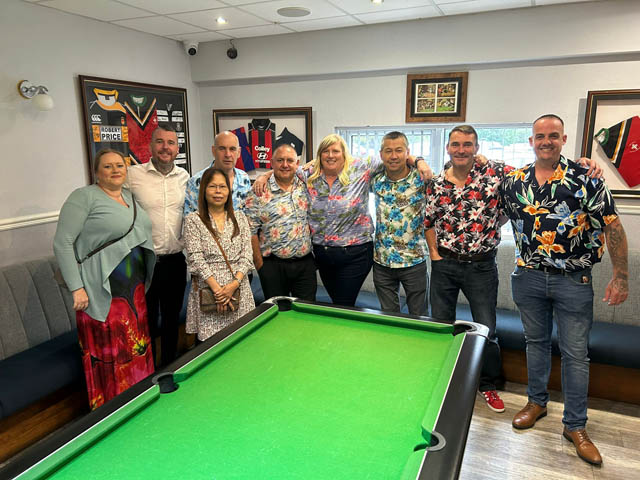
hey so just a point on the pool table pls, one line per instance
(292, 390)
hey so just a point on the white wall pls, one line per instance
(43, 153)
(534, 83)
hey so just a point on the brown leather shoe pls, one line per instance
(527, 417)
(585, 448)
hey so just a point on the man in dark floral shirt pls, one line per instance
(463, 222)
(560, 219)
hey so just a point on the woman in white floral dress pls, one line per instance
(215, 216)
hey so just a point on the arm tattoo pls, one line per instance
(617, 243)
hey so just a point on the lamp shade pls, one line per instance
(43, 102)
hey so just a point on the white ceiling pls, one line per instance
(196, 19)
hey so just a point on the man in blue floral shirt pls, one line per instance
(282, 251)
(400, 248)
(226, 150)
(560, 219)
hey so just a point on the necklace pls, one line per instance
(117, 198)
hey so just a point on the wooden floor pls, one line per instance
(497, 451)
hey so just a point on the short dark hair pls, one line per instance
(549, 115)
(102, 153)
(394, 136)
(465, 129)
(167, 127)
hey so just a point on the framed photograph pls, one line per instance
(612, 136)
(437, 97)
(122, 115)
(260, 130)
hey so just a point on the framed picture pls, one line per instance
(437, 97)
(260, 130)
(123, 115)
(612, 136)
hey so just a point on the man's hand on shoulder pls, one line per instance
(594, 168)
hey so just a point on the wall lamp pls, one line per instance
(39, 94)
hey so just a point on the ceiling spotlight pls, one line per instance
(377, 2)
(221, 21)
(293, 12)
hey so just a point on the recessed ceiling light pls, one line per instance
(293, 12)
(377, 2)
(221, 21)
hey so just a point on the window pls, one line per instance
(508, 143)
(505, 142)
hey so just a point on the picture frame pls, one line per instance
(437, 97)
(605, 110)
(296, 120)
(122, 115)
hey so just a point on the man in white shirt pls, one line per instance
(159, 186)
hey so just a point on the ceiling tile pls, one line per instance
(268, 10)
(360, 6)
(207, 19)
(158, 26)
(398, 15)
(172, 6)
(323, 23)
(555, 2)
(200, 37)
(105, 10)
(257, 31)
(244, 2)
(474, 6)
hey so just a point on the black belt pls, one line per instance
(292, 259)
(460, 257)
(168, 256)
(552, 270)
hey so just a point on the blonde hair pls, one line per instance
(317, 165)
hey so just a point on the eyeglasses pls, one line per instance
(218, 188)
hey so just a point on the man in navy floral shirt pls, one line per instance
(560, 219)
(400, 249)
(463, 222)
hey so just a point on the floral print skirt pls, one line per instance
(117, 353)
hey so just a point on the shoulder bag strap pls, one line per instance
(111, 242)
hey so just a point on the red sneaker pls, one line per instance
(494, 402)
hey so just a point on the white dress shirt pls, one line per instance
(162, 197)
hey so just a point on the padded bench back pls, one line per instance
(626, 314)
(33, 308)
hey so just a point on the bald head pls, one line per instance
(226, 150)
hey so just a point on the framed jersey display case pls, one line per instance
(261, 130)
(122, 115)
(612, 136)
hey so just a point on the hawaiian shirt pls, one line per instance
(466, 219)
(400, 241)
(281, 218)
(560, 223)
(339, 216)
(239, 190)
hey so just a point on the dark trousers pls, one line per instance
(164, 301)
(414, 281)
(479, 283)
(290, 276)
(343, 270)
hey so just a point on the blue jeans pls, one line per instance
(568, 297)
(343, 270)
(414, 281)
(479, 284)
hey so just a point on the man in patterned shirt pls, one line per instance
(560, 220)
(463, 222)
(282, 253)
(226, 150)
(400, 249)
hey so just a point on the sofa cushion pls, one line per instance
(39, 371)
